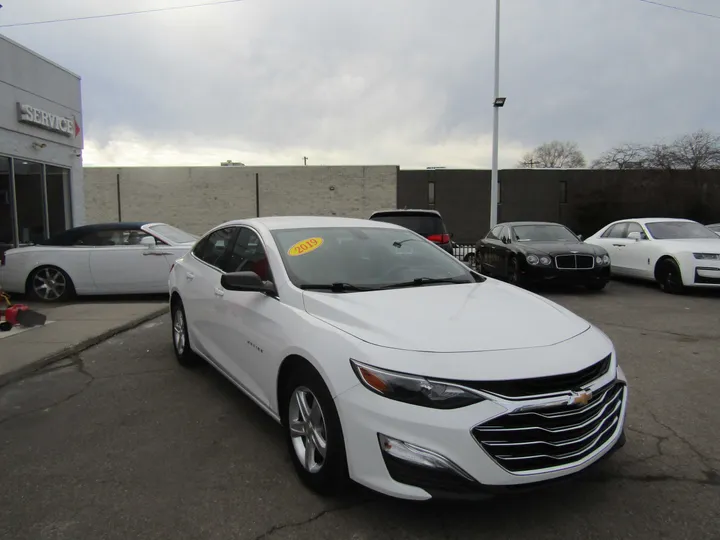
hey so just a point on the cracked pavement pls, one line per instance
(119, 442)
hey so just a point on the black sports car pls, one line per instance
(526, 252)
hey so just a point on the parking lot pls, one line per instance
(122, 443)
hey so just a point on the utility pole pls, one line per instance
(499, 102)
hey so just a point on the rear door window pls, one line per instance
(423, 224)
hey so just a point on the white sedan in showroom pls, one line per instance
(101, 259)
(676, 253)
(389, 362)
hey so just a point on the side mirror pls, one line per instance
(635, 236)
(505, 240)
(247, 282)
(148, 241)
(580, 237)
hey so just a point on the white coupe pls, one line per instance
(104, 258)
(676, 253)
(390, 362)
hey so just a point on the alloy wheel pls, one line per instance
(308, 431)
(179, 331)
(49, 284)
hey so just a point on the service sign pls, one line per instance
(28, 114)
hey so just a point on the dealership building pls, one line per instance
(41, 141)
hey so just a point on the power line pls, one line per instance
(676, 8)
(123, 14)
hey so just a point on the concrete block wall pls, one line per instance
(198, 198)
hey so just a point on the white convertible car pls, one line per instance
(676, 253)
(390, 362)
(105, 258)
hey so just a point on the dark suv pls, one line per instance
(428, 223)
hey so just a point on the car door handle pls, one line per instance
(158, 253)
(189, 276)
(219, 292)
(619, 245)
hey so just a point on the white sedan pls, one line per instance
(676, 253)
(391, 363)
(104, 258)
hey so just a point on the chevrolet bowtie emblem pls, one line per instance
(580, 398)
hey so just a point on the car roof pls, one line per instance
(644, 221)
(300, 222)
(106, 226)
(406, 211)
(515, 223)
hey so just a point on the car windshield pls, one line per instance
(679, 230)
(175, 235)
(543, 233)
(422, 223)
(352, 258)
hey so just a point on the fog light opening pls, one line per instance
(421, 457)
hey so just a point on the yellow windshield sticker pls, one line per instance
(305, 246)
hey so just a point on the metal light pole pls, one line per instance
(499, 102)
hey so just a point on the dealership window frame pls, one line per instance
(67, 197)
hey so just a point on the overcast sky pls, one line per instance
(401, 82)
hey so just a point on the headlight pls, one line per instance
(598, 260)
(707, 256)
(606, 259)
(413, 389)
(534, 260)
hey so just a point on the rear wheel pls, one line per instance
(50, 284)
(313, 432)
(669, 277)
(181, 342)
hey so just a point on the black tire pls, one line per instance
(513, 273)
(332, 476)
(50, 284)
(181, 341)
(596, 285)
(669, 277)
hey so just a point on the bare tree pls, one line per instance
(699, 150)
(626, 156)
(554, 155)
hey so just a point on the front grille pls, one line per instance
(575, 262)
(542, 439)
(539, 386)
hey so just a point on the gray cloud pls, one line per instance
(383, 80)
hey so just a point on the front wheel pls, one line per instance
(596, 285)
(313, 432)
(670, 278)
(513, 273)
(181, 342)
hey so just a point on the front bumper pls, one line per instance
(707, 274)
(451, 434)
(540, 273)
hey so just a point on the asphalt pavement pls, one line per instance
(119, 442)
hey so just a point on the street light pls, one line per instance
(499, 102)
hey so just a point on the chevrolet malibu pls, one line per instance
(390, 363)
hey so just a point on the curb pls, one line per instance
(37, 365)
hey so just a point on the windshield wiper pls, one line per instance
(419, 282)
(334, 287)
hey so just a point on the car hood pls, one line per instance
(487, 316)
(557, 248)
(696, 245)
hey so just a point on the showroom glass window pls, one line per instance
(6, 214)
(35, 201)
